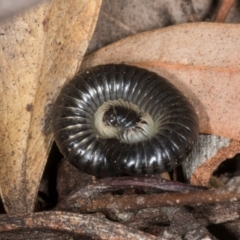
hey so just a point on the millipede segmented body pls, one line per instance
(118, 119)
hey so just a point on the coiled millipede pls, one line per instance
(119, 119)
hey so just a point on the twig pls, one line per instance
(118, 183)
(135, 202)
(224, 9)
(188, 10)
(71, 223)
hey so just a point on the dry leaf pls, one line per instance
(208, 153)
(40, 49)
(201, 59)
(121, 18)
(11, 7)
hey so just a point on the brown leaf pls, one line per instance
(40, 49)
(208, 153)
(201, 59)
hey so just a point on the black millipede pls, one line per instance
(118, 119)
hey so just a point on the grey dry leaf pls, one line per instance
(40, 49)
(119, 19)
(201, 59)
(209, 152)
(10, 7)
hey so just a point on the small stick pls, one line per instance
(72, 223)
(119, 183)
(188, 10)
(87, 203)
(224, 10)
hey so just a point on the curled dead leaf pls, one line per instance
(40, 49)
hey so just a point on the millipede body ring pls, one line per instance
(118, 119)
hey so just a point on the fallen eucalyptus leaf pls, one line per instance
(201, 59)
(40, 49)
